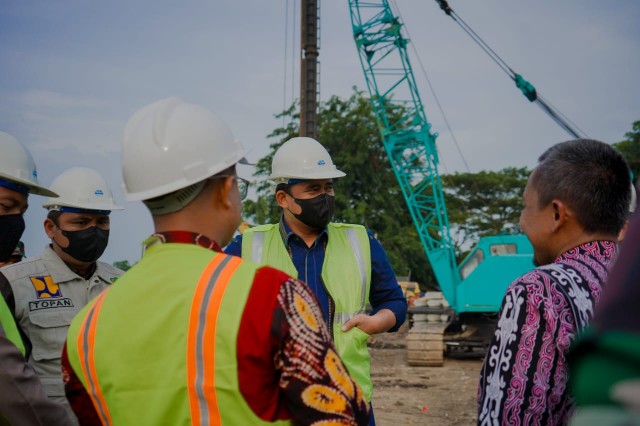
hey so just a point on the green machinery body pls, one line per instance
(479, 283)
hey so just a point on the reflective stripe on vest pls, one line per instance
(256, 248)
(86, 345)
(357, 252)
(202, 328)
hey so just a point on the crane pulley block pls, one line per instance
(527, 88)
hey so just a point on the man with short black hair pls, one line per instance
(575, 204)
(343, 264)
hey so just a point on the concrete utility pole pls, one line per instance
(309, 69)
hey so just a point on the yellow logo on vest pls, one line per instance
(45, 287)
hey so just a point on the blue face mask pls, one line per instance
(11, 229)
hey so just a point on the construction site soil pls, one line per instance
(406, 395)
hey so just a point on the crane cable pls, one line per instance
(525, 87)
(435, 96)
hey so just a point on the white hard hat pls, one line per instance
(17, 167)
(170, 145)
(303, 158)
(81, 188)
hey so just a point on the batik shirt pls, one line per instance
(524, 377)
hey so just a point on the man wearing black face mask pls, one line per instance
(49, 289)
(22, 397)
(344, 265)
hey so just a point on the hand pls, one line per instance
(364, 322)
(382, 321)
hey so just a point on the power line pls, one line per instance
(435, 97)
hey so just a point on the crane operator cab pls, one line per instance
(498, 259)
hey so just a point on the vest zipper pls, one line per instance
(306, 280)
(332, 305)
(331, 309)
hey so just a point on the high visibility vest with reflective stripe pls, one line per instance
(9, 327)
(160, 346)
(346, 274)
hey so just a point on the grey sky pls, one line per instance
(73, 72)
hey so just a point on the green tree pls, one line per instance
(368, 195)
(122, 264)
(484, 203)
(630, 148)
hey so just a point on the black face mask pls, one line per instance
(11, 229)
(316, 212)
(86, 245)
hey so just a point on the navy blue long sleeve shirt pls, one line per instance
(384, 293)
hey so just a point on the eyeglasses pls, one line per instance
(243, 187)
(243, 184)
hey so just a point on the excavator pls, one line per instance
(473, 290)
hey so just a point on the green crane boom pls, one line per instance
(474, 289)
(406, 132)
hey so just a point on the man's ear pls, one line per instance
(281, 199)
(561, 214)
(222, 191)
(49, 227)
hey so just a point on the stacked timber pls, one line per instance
(430, 317)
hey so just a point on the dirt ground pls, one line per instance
(404, 395)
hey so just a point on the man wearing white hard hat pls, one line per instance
(22, 397)
(190, 335)
(343, 264)
(50, 289)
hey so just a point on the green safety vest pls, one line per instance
(346, 274)
(8, 324)
(159, 347)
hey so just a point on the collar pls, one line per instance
(286, 233)
(182, 237)
(60, 271)
(605, 248)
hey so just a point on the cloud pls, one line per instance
(76, 131)
(53, 100)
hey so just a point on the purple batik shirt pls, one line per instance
(524, 377)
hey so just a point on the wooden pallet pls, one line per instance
(425, 345)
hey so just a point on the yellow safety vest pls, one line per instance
(346, 273)
(159, 347)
